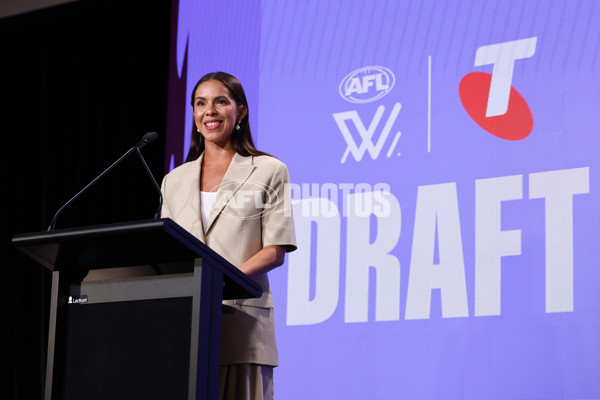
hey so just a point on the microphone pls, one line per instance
(147, 138)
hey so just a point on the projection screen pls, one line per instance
(444, 158)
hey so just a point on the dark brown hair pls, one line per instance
(241, 140)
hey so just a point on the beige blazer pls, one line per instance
(252, 210)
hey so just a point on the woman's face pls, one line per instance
(215, 112)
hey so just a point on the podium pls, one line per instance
(135, 310)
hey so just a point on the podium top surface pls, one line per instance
(129, 244)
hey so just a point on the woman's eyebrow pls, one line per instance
(216, 98)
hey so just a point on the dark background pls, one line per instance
(79, 85)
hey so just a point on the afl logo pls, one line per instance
(367, 84)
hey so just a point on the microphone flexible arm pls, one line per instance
(148, 137)
(139, 154)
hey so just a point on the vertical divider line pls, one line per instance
(429, 104)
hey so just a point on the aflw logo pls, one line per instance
(365, 85)
(367, 134)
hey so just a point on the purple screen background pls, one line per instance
(441, 169)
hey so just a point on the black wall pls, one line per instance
(79, 85)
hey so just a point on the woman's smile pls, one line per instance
(213, 124)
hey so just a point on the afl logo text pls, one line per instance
(367, 84)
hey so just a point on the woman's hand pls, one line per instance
(266, 259)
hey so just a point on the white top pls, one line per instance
(207, 200)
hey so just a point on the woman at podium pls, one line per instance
(235, 199)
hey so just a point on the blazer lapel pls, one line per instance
(237, 174)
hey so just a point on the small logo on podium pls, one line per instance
(78, 300)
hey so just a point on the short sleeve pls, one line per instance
(277, 219)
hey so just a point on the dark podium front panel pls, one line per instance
(135, 311)
(128, 350)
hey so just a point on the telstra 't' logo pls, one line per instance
(489, 99)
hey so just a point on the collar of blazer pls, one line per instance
(237, 174)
